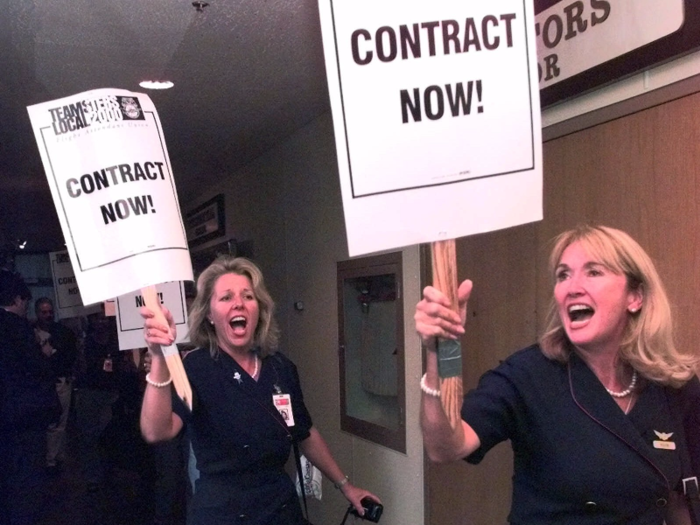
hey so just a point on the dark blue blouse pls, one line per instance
(240, 441)
(578, 459)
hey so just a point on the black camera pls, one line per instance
(373, 510)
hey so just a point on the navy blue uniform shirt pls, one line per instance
(578, 458)
(240, 440)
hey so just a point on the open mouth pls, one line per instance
(238, 322)
(580, 312)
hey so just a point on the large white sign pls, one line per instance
(69, 303)
(575, 36)
(436, 115)
(130, 322)
(108, 168)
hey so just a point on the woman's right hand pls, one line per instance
(435, 318)
(157, 420)
(155, 332)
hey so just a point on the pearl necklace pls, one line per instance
(628, 390)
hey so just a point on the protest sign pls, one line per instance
(110, 177)
(437, 126)
(130, 322)
(436, 116)
(109, 172)
(69, 303)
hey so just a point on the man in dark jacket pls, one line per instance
(28, 405)
(60, 345)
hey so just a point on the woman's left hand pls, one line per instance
(316, 450)
(355, 495)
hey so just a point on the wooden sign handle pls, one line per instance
(172, 356)
(444, 262)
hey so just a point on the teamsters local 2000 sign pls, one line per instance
(108, 169)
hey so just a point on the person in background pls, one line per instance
(239, 382)
(97, 390)
(171, 484)
(60, 345)
(28, 405)
(603, 414)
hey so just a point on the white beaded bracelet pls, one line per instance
(425, 388)
(156, 384)
(340, 484)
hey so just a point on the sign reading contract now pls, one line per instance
(108, 169)
(436, 115)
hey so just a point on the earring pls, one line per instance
(633, 310)
(211, 322)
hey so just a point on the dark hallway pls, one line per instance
(128, 493)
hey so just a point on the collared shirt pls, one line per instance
(240, 440)
(577, 457)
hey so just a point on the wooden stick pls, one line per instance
(172, 356)
(444, 262)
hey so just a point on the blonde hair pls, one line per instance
(203, 334)
(648, 341)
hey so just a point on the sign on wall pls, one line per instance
(110, 177)
(585, 44)
(206, 222)
(575, 36)
(435, 107)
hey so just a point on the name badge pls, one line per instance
(283, 403)
(663, 441)
(107, 365)
(666, 445)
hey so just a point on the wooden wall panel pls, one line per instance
(641, 174)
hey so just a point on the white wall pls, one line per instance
(288, 202)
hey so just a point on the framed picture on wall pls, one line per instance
(584, 44)
(206, 222)
(203, 257)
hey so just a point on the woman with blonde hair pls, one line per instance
(241, 387)
(648, 345)
(603, 414)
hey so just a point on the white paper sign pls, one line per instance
(575, 36)
(68, 300)
(108, 169)
(436, 116)
(130, 322)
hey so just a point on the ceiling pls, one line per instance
(247, 74)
